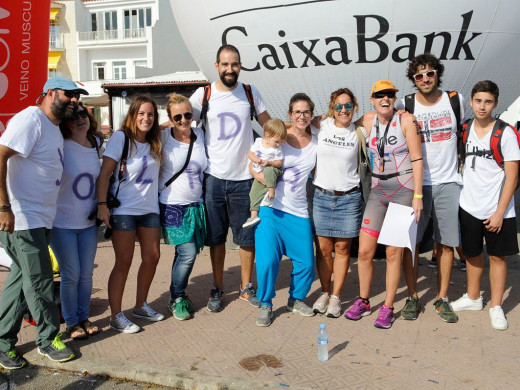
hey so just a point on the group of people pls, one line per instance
(190, 184)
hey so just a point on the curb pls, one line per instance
(148, 373)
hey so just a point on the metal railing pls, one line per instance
(112, 34)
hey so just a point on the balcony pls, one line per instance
(55, 42)
(110, 35)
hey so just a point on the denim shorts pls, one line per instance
(337, 216)
(227, 205)
(126, 223)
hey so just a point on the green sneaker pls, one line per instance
(411, 309)
(57, 351)
(11, 360)
(191, 306)
(443, 308)
(180, 308)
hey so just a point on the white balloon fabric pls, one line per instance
(319, 46)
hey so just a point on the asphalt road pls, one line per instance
(33, 377)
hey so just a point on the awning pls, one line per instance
(54, 13)
(54, 57)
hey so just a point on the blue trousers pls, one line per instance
(279, 234)
(183, 262)
(75, 250)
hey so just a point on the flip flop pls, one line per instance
(76, 332)
(90, 329)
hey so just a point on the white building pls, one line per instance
(117, 42)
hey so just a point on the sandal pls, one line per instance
(90, 329)
(76, 332)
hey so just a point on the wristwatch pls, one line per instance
(5, 207)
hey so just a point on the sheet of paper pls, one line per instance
(399, 228)
(5, 260)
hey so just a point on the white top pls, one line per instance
(337, 157)
(291, 195)
(187, 188)
(439, 140)
(267, 154)
(229, 134)
(77, 196)
(138, 193)
(483, 184)
(34, 174)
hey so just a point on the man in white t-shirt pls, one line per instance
(441, 183)
(487, 206)
(227, 181)
(29, 187)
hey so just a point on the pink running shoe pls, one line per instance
(385, 318)
(357, 310)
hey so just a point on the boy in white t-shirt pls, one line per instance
(266, 155)
(486, 203)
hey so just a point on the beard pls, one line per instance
(226, 82)
(59, 109)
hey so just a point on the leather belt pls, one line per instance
(337, 193)
(391, 175)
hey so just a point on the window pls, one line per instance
(119, 70)
(142, 63)
(99, 70)
(105, 23)
(54, 35)
(136, 20)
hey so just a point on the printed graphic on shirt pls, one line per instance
(435, 126)
(338, 141)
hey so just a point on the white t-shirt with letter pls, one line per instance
(138, 193)
(229, 133)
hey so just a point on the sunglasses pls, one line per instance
(380, 95)
(348, 106)
(81, 114)
(187, 115)
(69, 94)
(420, 76)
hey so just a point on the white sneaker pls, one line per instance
(334, 309)
(267, 201)
(498, 319)
(123, 324)
(466, 303)
(321, 304)
(252, 221)
(147, 313)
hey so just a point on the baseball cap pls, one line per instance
(63, 83)
(383, 85)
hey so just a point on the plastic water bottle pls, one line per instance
(323, 344)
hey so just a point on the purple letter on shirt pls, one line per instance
(231, 134)
(140, 179)
(90, 191)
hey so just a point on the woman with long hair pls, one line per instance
(136, 212)
(74, 234)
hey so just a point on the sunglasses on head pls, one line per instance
(81, 114)
(348, 106)
(382, 94)
(187, 116)
(69, 94)
(420, 76)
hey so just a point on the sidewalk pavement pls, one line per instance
(227, 350)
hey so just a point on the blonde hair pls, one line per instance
(175, 98)
(129, 126)
(275, 128)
